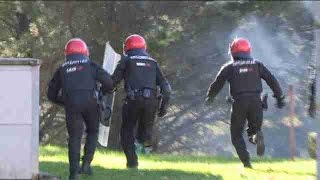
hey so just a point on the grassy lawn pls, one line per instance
(112, 166)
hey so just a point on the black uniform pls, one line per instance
(142, 75)
(73, 85)
(244, 76)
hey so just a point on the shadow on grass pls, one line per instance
(268, 171)
(61, 169)
(208, 159)
(52, 152)
(61, 150)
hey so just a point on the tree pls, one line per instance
(189, 40)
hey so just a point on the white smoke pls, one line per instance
(278, 50)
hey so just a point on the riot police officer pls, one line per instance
(142, 76)
(74, 86)
(244, 75)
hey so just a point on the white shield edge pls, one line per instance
(110, 61)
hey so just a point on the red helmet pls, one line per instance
(240, 45)
(76, 46)
(134, 41)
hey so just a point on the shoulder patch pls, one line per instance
(239, 63)
(74, 62)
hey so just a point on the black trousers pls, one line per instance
(81, 108)
(245, 108)
(140, 132)
(141, 111)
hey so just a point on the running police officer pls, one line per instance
(142, 76)
(74, 85)
(244, 75)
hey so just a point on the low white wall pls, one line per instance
(19, 118)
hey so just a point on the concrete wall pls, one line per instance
(19, 122)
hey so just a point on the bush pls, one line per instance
(312, 145)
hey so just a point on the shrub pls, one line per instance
(312, 145)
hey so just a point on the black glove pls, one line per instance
(208, 101)
(280, 102)
(229, 99)
(312, 108)
(264, 101)
(162, 112)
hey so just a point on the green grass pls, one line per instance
(111, 165)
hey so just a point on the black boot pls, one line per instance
(132, 159)
(260, 143)
(247, 164)
(86, 168)
(74, 176)
(74, 169)
(132, 165)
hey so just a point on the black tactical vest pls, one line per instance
(245, 78)
(141, 72)
(76, 74)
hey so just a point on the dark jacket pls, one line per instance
(77, 74)
(244, 75)
(140, 71)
